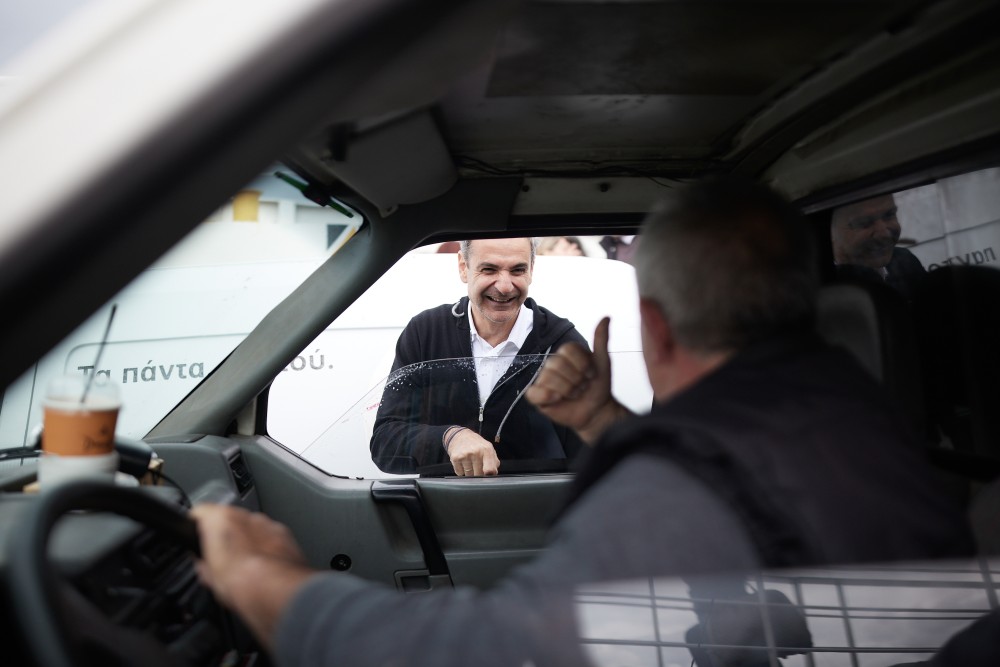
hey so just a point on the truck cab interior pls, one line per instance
(130, 123)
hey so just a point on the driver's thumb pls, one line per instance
(602, 361)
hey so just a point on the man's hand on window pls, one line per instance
(472, 455)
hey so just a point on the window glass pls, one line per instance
(955, 221)
(179, 319)
(937, 246)
(856, 615)
(325, 404)
(898, 237)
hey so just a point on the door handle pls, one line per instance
(406, 493)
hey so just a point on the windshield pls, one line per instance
(23, 23)
(183, 316)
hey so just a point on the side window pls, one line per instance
(899, 237)
(327, 405)
(956, 221)
(937, 245)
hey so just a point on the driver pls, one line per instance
(766, 447)
(472, 415)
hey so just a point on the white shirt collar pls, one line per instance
(492, 362)
(518, 334)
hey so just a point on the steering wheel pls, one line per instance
(46, 603)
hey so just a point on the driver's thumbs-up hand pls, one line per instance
(573, 387)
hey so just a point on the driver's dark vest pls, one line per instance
(807, 452)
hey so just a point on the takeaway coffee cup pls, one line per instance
(78, 432)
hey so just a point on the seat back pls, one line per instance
(958, 319)
(874, 323)
(958, 322)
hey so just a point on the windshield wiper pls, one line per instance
(15, 453)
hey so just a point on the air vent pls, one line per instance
(151, 555)
(241, 474)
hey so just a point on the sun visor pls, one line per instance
(404, 161)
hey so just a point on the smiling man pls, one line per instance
(471, 414)
(864, 236)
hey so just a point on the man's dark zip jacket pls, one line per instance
(421, 400)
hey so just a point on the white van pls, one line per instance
(177, 320)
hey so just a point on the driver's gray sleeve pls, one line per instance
(644, 518)
(342, 620)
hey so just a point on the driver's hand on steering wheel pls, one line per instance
(251, 563)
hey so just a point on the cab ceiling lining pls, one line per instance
(974, 156)
(553, 225)
(954, 42)
(681, 48)
(539, 225)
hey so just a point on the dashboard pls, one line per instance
(81, 583)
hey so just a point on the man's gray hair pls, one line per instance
(729, 262)
(463, 247)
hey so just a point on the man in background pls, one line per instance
(569, 246)
(620, 247)
(864, 236)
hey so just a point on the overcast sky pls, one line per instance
(22, 21)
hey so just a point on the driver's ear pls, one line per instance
(659, 343)
(463, 269)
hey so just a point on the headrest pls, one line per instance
(873, 321)
(846, 316)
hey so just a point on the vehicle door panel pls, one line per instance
(483, 526)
